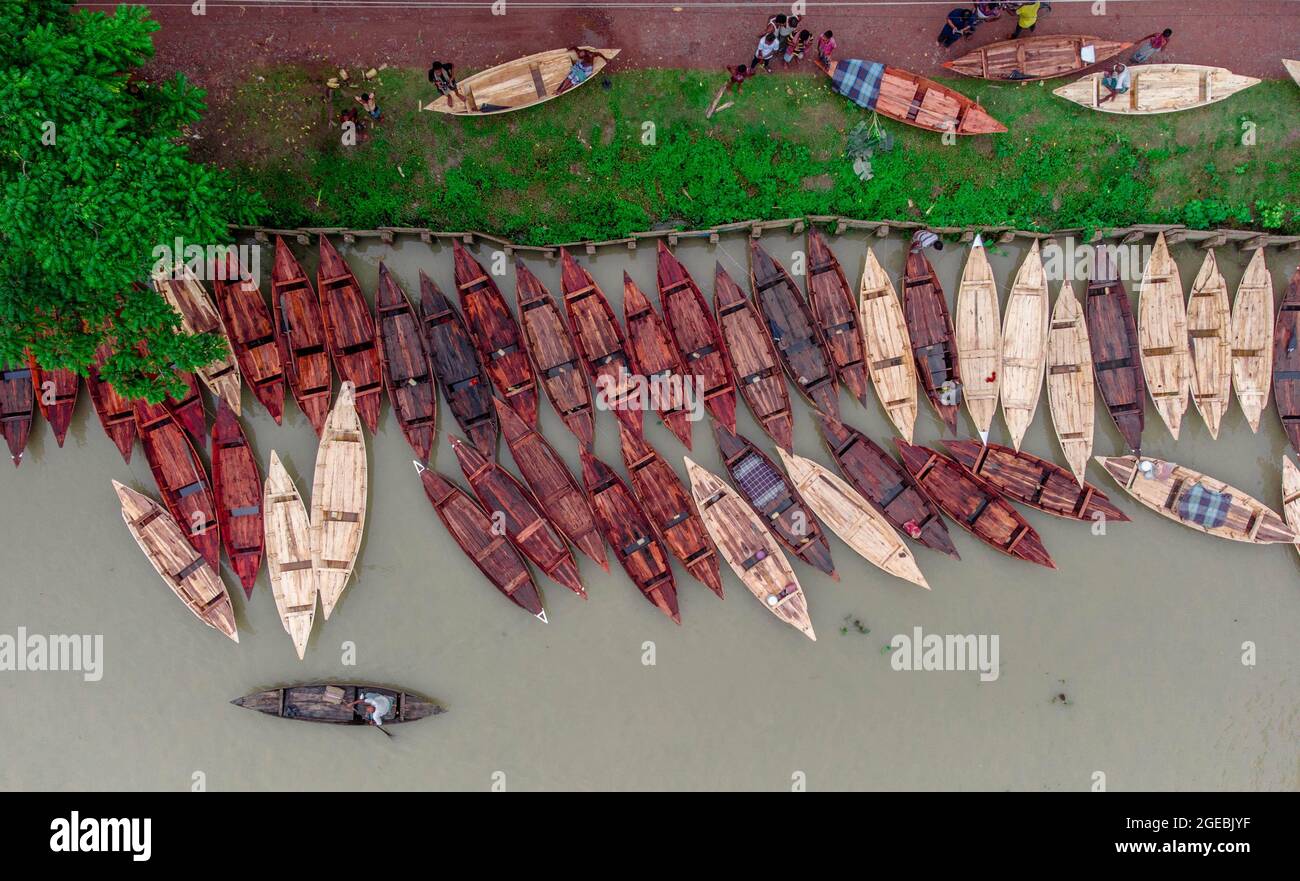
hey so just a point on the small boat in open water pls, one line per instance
(333, 704)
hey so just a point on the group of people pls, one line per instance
(784, 36)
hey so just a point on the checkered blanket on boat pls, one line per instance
(859, 81)
(1204, 506)
(757, 481)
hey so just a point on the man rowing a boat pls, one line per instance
(376, 707)
(583, 68)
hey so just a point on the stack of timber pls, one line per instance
(1069, 381)
(654, 356)
(555, 355)
(979, 339)
(1162, 335)
(252, 334)
(888, 346)
(404, 361)
(187, 296)
(1113, 336)
(455, 362)
(237, 487)
(350, 332)
(934, 345)
(338, 499)
(836, 314)
(753, 357)
(1252, 339)
(1038, 483)
(1209, 330)
(288, 554)
(300, 335)
(1024, 345)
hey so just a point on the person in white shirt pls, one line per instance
(1117, 82)
(767, 47)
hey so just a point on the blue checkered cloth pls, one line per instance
(1204, 507)
(859, 81)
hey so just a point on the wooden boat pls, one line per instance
(350, 333)
(17, 409)
(1286, 360)
(1159, 88)
(1036, 58)
(327, 702)
(552, 485)
(115, 412)
(909, 98)
(186, 572)
(251, 331)
(190, 299)
(749, 548)
(1252, 339)
(517, 513)
(455, 362)
(287, 540)
(1293, 68)
(753, 357)
(888, 345)
(974, 504)
(1291, 494)
(1209, 331)
(300, 336)
(555, 355)
(1170, 487)
(181, 480)
(1113, 337)
(655, 358)
(696, 335)
(978, 325)
(1069, 381)
(404, 361)
(338, 499)
(628, 531)
(188, 410)
(836, 314)
(670, 510)
(1162, 336)
(798, 340)
(774, 498)
(237, 490)
(1024, 345)
(600, 340)
(524, 82)
(852, 518)
(56, 395)
(884, 483)
(934, 344)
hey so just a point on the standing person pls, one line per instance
(1117, 81)
(774, 23)
(443, 76)
(786, 32)
(583, 67)
(1026, 19)
(960, 23)
(767, 47)
(798, 45)
(738, 75)
(825, 46)
(1150, 46)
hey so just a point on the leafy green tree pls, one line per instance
(95, 175)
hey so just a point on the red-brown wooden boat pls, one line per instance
(1286, 360)
(1113, 338)
(671, 510)
(471, 528)
(554, 354)
(56, 395)
(408, 374)
(181, 480)
(887, 486)
(499, 492)
(835, 306)
(974, 504)
(17, 409)
(114, 411)
(652, 351)
(697, 336)
(350, 331)
(798, 340)
(1038, 483)
(251, 331)
(934, 344)
(753, 359)
(455, 362)
(628, 531)
(300, 336)
(776, 501)
(188, 409)
(237, 488)
(496, 335)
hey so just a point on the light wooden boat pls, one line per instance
(852, 518)
(188, 297)
(524, 82)
(1162, 337)
(1159, 88)
(288, 553)
(749, 548)
(1209, 328)
(1024, 345)
(1069, 381)
(909, 98)
(189, 576)
(338, 499)
(1036, 58)
(1293, 68)
(978, 325)
(889, 349)
(1252, 339)
(1248, 519)
(1291, 495)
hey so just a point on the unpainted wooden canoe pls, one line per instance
(934, 344)
(1162, 337)
(909, 98)
(329, 702)
(408, 375)
(554, 354)
(1293, 68)
(754, 359)
(1113, 337)
(182, 482)
(17, 409)
(978, 325)
(300, 336)
(888, 346)
(455, 362)
(833, 307)
(1286, 360)
(338, 499)
(1159, 88)
(655, 357)
(190, 299)
(116, 415)
(1024, 345)
(288, 553)
(56, 395)
(1069, 381)
(1291, 493)
(237, 490)
(350, 332)
(1038, 483)
(1036, 58)
(1252, 339)
(524, 82)
(252, 334)
(1209, 332)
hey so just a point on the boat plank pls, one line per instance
(652, 353)
(353, 341)
(456, 365)
(1286, 360)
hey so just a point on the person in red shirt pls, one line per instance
(1150, 46)
(825, 46)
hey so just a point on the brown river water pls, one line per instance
(1155, 657)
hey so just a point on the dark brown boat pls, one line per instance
(652, 353)
(1038, 483)
(790, 323)
(671, 510)
(1113, 338)
(554, 354)
(115, 412)
(934, 345)
(496, 335)
(628, 531)
(189, 412)
(335, 704)
(974, 504)
(887, 486)
(408, 375)
(471, 528)
(499, 492)
(753, 358)
(1286, 360)
(697, 336)
(251, 331)
(181, 480)
(300, 336)
(773, 497)
(350, 331)
(237, 488)
(56, 395)
(17, 409)
(455, 362)
(835, 306)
